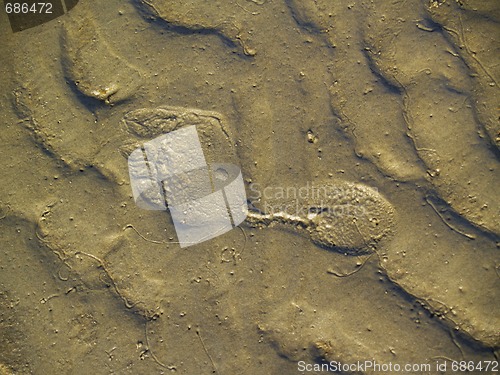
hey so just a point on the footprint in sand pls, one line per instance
(343, 216)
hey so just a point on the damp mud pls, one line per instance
(367, 134)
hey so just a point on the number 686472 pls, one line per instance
(25, 8)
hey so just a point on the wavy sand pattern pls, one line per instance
(367, 135)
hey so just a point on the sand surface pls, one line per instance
(384, 115)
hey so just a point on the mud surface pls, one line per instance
(368, 137)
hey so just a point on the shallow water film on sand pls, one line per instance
(250, 187)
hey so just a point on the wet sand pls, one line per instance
(383, 116)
